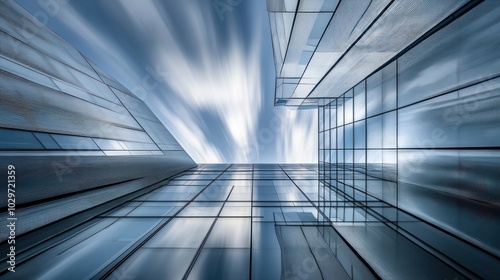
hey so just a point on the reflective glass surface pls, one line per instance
(194, 228)
(424, 145)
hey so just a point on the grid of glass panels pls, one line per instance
(358, 147)
(211, 222)
(296, 30)
(321, 48)
(417, 141)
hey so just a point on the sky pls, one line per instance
(204, 67)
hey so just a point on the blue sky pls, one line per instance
(204, 67)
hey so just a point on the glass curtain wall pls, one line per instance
(416, 145)
(210, 222)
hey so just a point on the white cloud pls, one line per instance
(227, 84)
(297, 142)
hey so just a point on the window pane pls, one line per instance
(46, 140)
(359, 135)
(374, 132)
(374, 94)
(181, 233)
(359, 101)
(18, 139)
(155, 264)
(230, 233)
(202, 209)
(222, 264)
(75, 142)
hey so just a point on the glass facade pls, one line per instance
(324, 47)
(210, 222)
(77, 138)
(413, 150)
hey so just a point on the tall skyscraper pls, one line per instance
(409, 130)
(406, 185)
(76, 137)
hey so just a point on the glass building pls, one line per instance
(406, 186)
(77, 138)
(409, 126)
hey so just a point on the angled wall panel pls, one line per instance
(68, 127)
